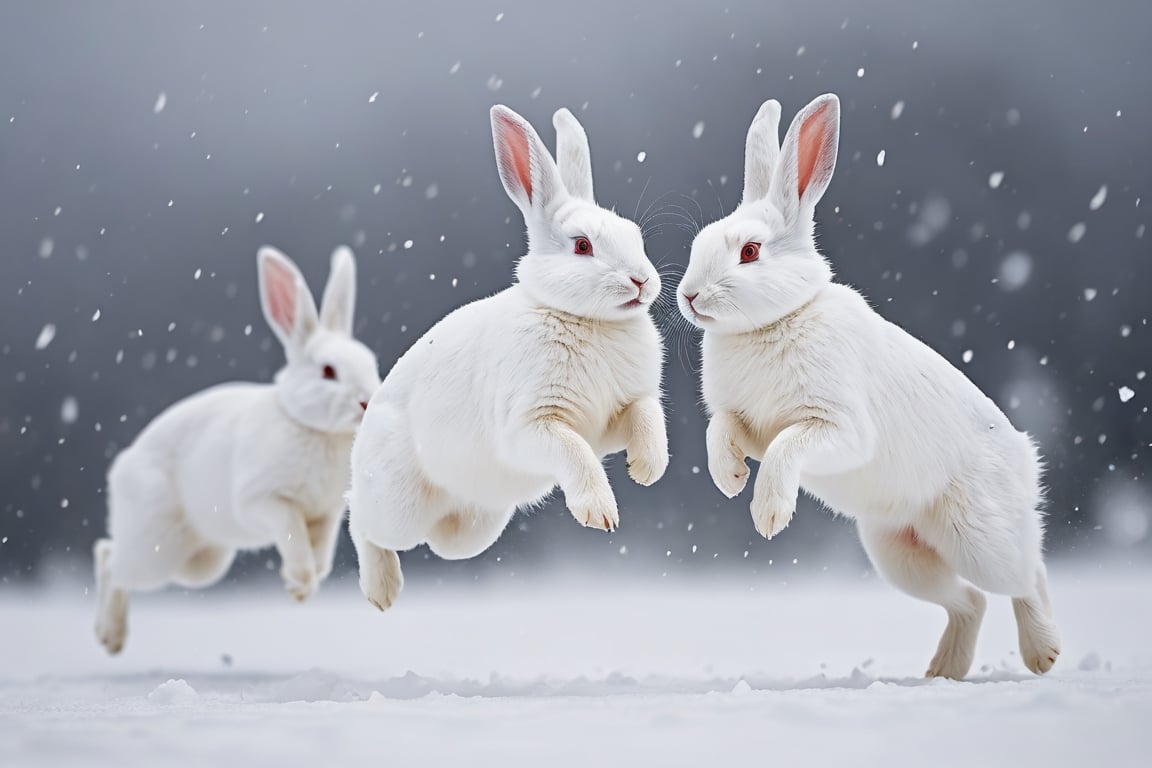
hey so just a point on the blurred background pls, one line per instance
(989, 197)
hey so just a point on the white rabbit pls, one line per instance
(803, 375)
(242, 466)
(511, 395)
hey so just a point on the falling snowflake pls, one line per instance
(69, 410)
(1015, 270)
(47, 333)
(1099, 198)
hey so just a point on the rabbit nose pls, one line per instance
(691, 298)
(638, 283)
(364, 404)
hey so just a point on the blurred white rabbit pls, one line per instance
(242, 466)
(803, 375)
(511, 395)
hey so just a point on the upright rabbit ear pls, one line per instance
(573, 158)
(338, 306)
(284, 296)
(527, 170)
(807, 157)
(761, 151)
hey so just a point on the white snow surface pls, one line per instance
(577, 671)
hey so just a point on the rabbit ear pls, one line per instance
(807, 157)
(529, 174)
(284, 296)
(338, 306)
(573, 157)
(761, 151)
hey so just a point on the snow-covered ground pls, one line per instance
(821, 671)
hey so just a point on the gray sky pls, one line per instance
(147, 150)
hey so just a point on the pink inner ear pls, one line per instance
(813, 137)
(514, 143)
(281, 294)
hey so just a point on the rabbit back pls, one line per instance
(225, 445)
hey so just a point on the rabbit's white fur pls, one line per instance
(511, 395)
(803, 375)
(243, 466)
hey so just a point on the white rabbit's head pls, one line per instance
(760, 262)
(329, 376)
(581, 259)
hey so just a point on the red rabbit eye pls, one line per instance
(750, 252)
(330, 373)
(583, 247)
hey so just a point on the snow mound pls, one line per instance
(173, 692)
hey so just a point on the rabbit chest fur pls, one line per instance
(913, 430)
(490, 367)
(593, 369)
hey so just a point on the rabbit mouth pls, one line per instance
(632, 304)
(699, 316)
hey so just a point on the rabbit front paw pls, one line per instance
(647, 466)
(729, 473)
(596, 510)
(323, 568)
(381, 578)
(300, 582)
(772, 510)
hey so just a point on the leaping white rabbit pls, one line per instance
(511, 395)
(242, 466)
(803, 375)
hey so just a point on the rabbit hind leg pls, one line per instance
(914, 567)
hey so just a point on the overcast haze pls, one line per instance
(988, 198)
